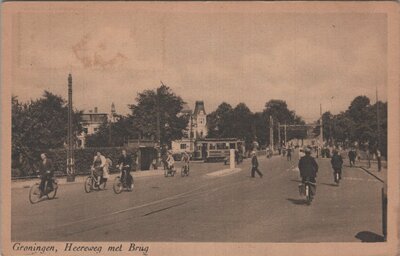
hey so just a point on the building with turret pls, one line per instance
(196, 129)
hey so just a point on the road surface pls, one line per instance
(210, 206)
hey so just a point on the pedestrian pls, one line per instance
(368, 158)
(337, 163)
(352, 157)
(254, 164)
(106, 169)
(289, 154)
(378, 157)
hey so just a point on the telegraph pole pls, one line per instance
(158, 127)
(321, 129)
(285, 135)
(377, 120)
(279, 134)
(271, 132)
(70, 151)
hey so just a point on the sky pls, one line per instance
(217, 56)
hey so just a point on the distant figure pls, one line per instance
(289, 154)
(378, 157)
(337, 163)
(352, 157)
(254, 164)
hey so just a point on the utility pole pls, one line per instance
(321, 129)
(271, 133)
(285, 135)
(158, 127)
(378, 121)
(70, 151)
(279, 134)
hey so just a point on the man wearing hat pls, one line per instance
(254, 164)
(308, 167)
(337, 163)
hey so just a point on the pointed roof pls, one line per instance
(199, 107)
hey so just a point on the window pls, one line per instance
(183, 146)
(232, 146)
(85, 130)
(221, 146)
(95, 129)
(212, 146)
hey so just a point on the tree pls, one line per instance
(243, 123)
(220, 122)
(38, 126)
(167, 105)
(120, 131)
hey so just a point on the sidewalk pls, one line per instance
(373, 169)
(81, 179)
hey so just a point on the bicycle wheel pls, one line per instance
(166, 173)
(34, 194)
(183, 171)
(308, 194)
(117, 186)
(52, 194)
(88, 184)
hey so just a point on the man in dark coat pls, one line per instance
(46, 173)
(337, 163)
(308, 167)
(125, 164)
(254, 164)
(352, 157)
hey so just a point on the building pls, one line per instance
(91, 122)
(196, 129)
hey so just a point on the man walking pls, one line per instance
(254, 163)
(337, 163)
(378, 157)
(352, 157)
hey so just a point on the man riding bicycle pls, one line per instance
(185, 160)
(170, 162)
(46, 173)
(125, 165)
(308, 167)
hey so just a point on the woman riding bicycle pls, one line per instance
(125, 165)
(185, 160)
(99, 162)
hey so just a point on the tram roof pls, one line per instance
(220, 140)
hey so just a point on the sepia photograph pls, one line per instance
(200, 128)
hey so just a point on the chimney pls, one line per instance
(95, 110)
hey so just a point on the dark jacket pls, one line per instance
(337, 162)
(308, 166)
(47, 166)
(352, 154)
(125, 160)
(254, 162)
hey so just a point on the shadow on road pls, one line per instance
(298, 201)
(369, 237)
(330, 184)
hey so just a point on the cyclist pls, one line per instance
(337, 163)
(46, 173)
(125, 165)
(170, 162)
(99, 162)
(308, 168)
(185, 160)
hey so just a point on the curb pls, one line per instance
(370, 173)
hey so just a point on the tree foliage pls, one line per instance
(168, 105)
(38, 126)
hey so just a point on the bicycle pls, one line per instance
(92, 182)
(35, 194)
(120, 185)
(185, 170)
(307, 189)
(169, 171)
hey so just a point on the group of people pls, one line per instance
(100, 167)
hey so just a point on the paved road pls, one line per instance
(204, 208)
